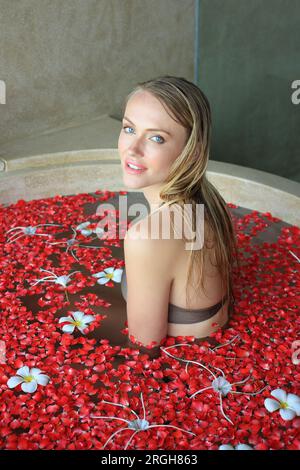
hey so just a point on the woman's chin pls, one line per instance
(132, 183)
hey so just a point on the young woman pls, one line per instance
(164, 149)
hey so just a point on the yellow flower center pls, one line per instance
(284, 405)
(77, 323)
(109, 276)
(28, 378)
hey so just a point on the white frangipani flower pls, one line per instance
(238, 447)
(221, 385)
(77, 320)
(137, 425)
(61, 280)
(19, 232)
(85, 229)
(288, 404)
(29, 379)
(109, 274)
(73, 243)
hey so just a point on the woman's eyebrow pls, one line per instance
(161, 130)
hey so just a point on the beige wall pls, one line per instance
(68, 61)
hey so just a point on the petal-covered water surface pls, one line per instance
(82, 370)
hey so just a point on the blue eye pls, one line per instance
(128, 127)
(160, 138)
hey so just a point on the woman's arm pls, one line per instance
(149, 268)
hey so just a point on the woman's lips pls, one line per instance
(132, 171)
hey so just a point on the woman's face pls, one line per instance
(153, 151)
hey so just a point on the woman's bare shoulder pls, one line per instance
(157, 229)
(146, 239)
(150, 261)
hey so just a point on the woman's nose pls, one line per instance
(136, 147)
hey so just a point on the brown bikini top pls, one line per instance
(179, 314)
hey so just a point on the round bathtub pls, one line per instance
(64, 358)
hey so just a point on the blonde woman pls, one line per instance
(164, 149)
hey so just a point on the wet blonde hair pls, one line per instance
(187, 182)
